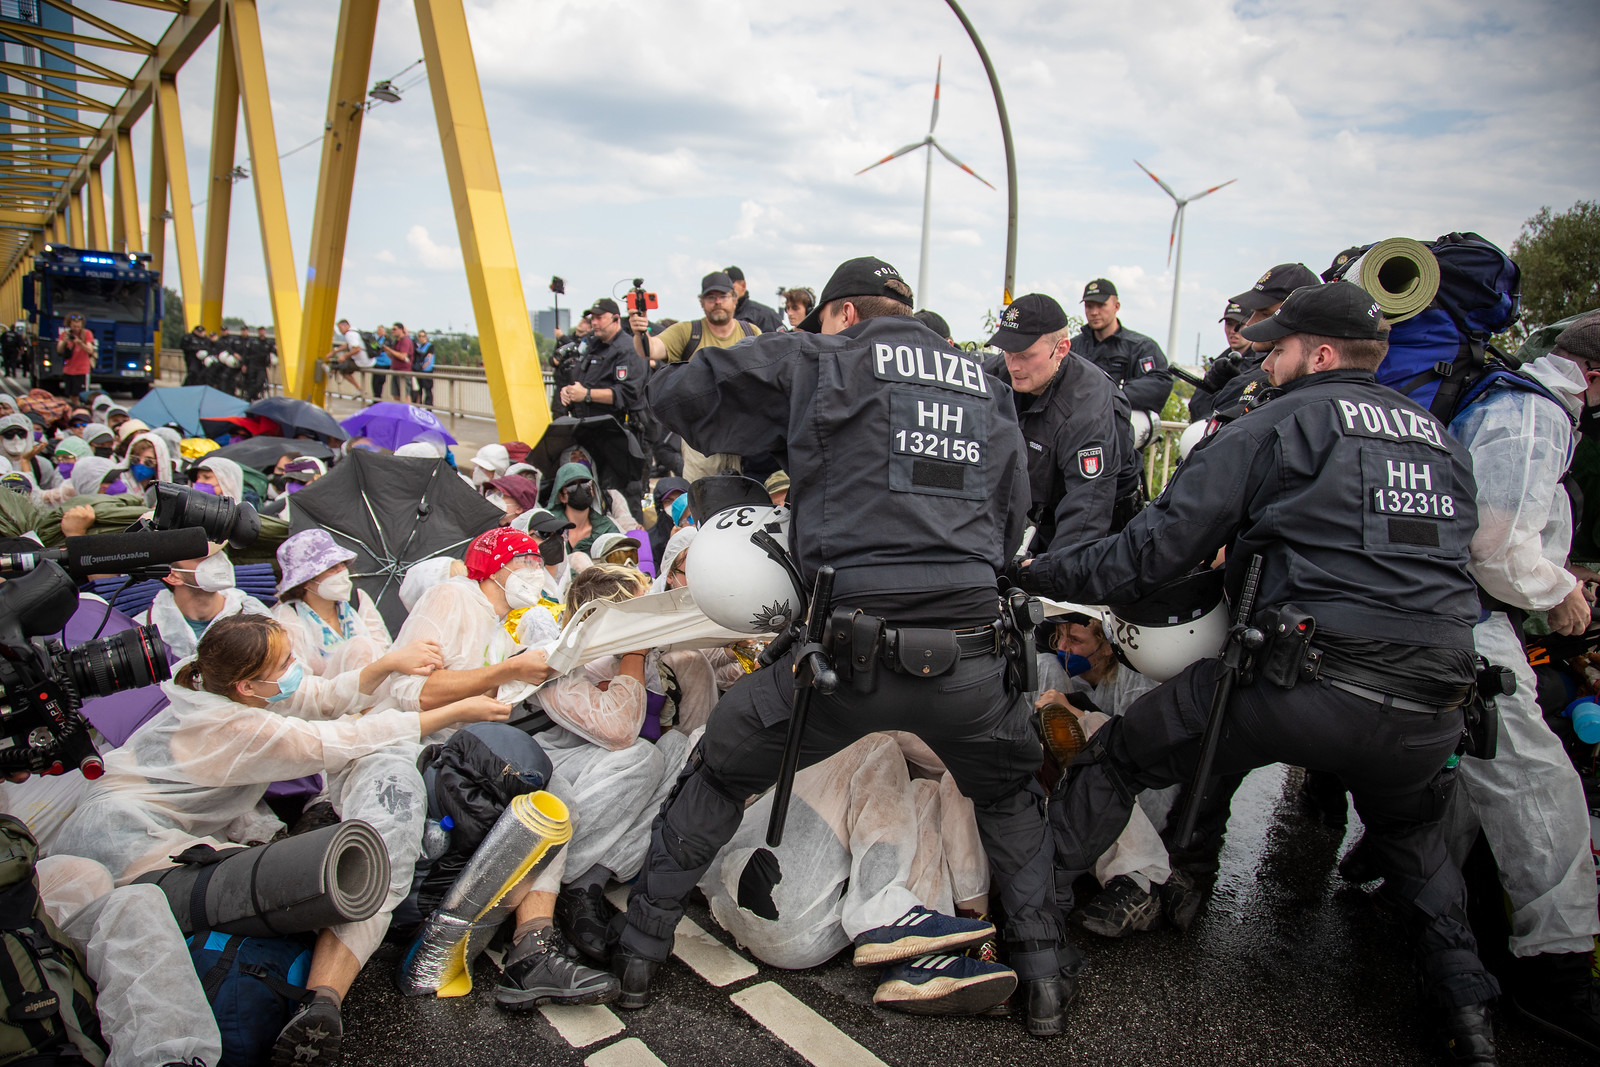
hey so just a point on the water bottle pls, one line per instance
(1585, 716)
(436, 837)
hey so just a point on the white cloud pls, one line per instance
(427, 253)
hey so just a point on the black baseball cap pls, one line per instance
(1235, 314)
(605, 303)
(544, 521)
(863, 276)
(1335, 309)
(1098, 291)
(734, 273)
(933, 321)
(1276, 285)
(717, 281)
(1029, 318)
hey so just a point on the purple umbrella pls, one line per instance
(391, 425)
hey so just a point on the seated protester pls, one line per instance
(68, 451)
(673, 572)
(117, 417)
(873, 856)
(617, 549)
(125, 432)
(198, 593)
(148, 460)
(490, 462)
(514, 493)
(244, 713)
(777, 487)
(8, 405)
(218, 476)
(666, 491)
(21, 453)
(173, 440)
(97, 475)
(100, 439)
(333, 627)
(558, 565)
(292, 477)
(574, 491)
(612, 778)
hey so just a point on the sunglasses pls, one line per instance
(13, 434)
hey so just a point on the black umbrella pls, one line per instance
(263, 453)
(617, 457)
(393, 511)
(298, 416)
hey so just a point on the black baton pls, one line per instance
(812, 670)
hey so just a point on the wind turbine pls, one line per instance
(1177, 233)
(927, 186)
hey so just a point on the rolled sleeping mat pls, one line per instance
(301, 884)
(1401, 274)
(528, 836)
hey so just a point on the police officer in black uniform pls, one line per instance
(877, 419)
(1228, 363)
(1128, 357)
(608, 378)
(1080, 445)
(259, 351)
(194, 367)
(1361, 507)
(1260, 302)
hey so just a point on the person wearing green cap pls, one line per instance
(574, 489)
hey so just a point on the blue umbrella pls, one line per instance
(390, 425)
(299, 417)
(185, 406)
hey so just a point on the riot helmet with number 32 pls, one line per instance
(733, 580)
(1180, 622)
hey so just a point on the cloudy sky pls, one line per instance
(668, 139)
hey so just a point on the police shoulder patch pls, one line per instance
(1148, 365)
(622, 373)
(1091, 461)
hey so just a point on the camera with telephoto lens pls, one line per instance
(43, 683)
(178, 507)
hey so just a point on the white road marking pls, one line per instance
(582, 1024)
(629, 1052)
(709, 958)
(801, 1028)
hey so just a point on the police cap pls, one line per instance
(1275, 286)
(607, 304)
(1337, 309)
(933, 321)
(1098, 291)
(1029, 318)
(1235, 314)
(863, 276)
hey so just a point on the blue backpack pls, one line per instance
(1441, 355)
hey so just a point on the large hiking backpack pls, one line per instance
(47, 1011)
(1437, 356)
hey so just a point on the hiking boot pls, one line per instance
(1557, 992)
(311, 1036)
(1468, 1035)
(634, 973)
(918, 932)
(1181, 898)
(585, 915)
(1048, 1001)
(944, 985)
(1120, 908)
(538, 972)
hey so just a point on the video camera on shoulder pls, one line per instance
(43, 683)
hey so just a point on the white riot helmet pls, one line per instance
(733, 580)
(1192, 435)
(1146, 425)
(1181, 622)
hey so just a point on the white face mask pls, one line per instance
(480, 476)
(336, 587)
(522, 589)
(214, 575)
(15, 446)
(497, 500)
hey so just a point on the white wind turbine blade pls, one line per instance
(1172, 234)
(938, 76)
(1158, 181)
(958, 162)
(1213, 189)
(896, 154)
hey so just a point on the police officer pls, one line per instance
(608, 379)
(262, 351)
(194, 365)
(1225, 367)
(1129, 358)
(1260, 302)
(877, 417)
(1080, 446)
(1361, 507)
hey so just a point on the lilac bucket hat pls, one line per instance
(305, 555)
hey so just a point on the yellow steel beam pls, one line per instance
(156, 231)
(347, 90)
(31, 74)
(139, 43)
(76, 100)
(22, 29)
(283, 279)
(30, 219)
(516, 383)
(219, 188)
(125, 235)
(80, 236)
(169, 125)
(98, 237)
(35, 40)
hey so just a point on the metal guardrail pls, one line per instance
(1161, 456)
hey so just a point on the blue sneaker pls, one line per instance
(945, 985)
(917, 933)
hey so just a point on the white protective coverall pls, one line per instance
(326, 653)
(457, 615)
(1528, 799)
(863, 844)
(175, 632)
(197, 772)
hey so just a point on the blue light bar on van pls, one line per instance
(106, 260)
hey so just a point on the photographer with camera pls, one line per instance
(608, 378)
(78, 350)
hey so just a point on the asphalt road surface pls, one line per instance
(1287, 965)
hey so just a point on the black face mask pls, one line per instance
(1589, 421)
(553, 549)
(579, 497)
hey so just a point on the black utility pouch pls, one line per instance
(837, 638)
(924, 653)
(1483, 710)
(1288, 647)
(866, 643)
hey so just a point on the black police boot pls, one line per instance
(635, 973)
(1048, 1001)
(1557, 992)
(1468, 1035)
(584, 915)
(1182, 896)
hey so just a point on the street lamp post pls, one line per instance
(1011, 154)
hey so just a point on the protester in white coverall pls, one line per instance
(334, 627)
(1528, 799)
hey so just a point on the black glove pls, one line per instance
(1223, 369)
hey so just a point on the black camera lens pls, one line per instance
(129, 660)
(223, 520)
